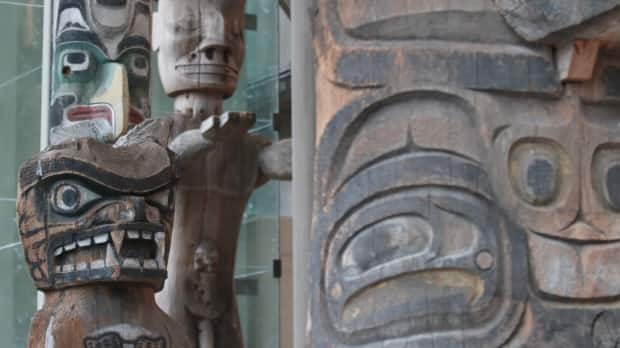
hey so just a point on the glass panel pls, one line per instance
(257, 289)
(20, 96)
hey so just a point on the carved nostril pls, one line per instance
(193, 56)
(210, 52)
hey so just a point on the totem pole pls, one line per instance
(101, 68)
(95, 223)
(201, 49)
(95, 219)
(467, 174)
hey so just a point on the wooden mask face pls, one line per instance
(200, 45)
(101, 68)
(89, 212)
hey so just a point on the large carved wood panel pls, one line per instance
(467, 186)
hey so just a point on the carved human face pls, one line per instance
(411, 244)
(89, 212)
(101, 68)
(200, 45)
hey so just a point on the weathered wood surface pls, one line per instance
(464, 196)
(201, 51)
(95, 223)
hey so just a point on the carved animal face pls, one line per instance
(410, 238)
(89, 212)
(557, 173)
(101, 68)
(200, 44)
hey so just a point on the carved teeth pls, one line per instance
(117, 239)
(133, 234)
(101, 239)
(83, 243)
(97, 264)
(82, 266)
(160, 240)
(67, 268)
(147, 235)
(150, 264)
(110, 256)
(70, 246)
(131, 263)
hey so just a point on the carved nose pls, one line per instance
(581, 231)
(138, 207)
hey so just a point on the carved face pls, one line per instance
(101, 68)
(200, 44)
(411, 240)
(557, 172)
(89, 212)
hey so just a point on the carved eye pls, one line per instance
(536, 170)
(607, 175)
(386, 241)
(139, 65)
(71, 197)
(75, 61)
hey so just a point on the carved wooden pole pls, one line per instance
(95, 224)
(467, 174)
(100, 68)
(201, 50)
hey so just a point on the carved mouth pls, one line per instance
(197, 70)
(90, 112)
(102, 253)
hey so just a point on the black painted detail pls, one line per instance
(612, 182)
(114, 340)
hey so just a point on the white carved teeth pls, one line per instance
(97, 264)
(70, 246)
(137, 235)
(160, 240)
(130, 262)
(83, 243)
(82, 266)
(150, 264)
(101, 239)
(133, 234)
(110, 256)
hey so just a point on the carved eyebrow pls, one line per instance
(76, 35)
(134, 42)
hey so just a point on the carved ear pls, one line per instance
(157, 31)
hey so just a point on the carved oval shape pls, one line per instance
(386, 241)
(606, 175)
(538, 168)
(367, 308)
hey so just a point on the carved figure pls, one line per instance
(101, 68)
(200, 47)
(466, 174)
(95, 224)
